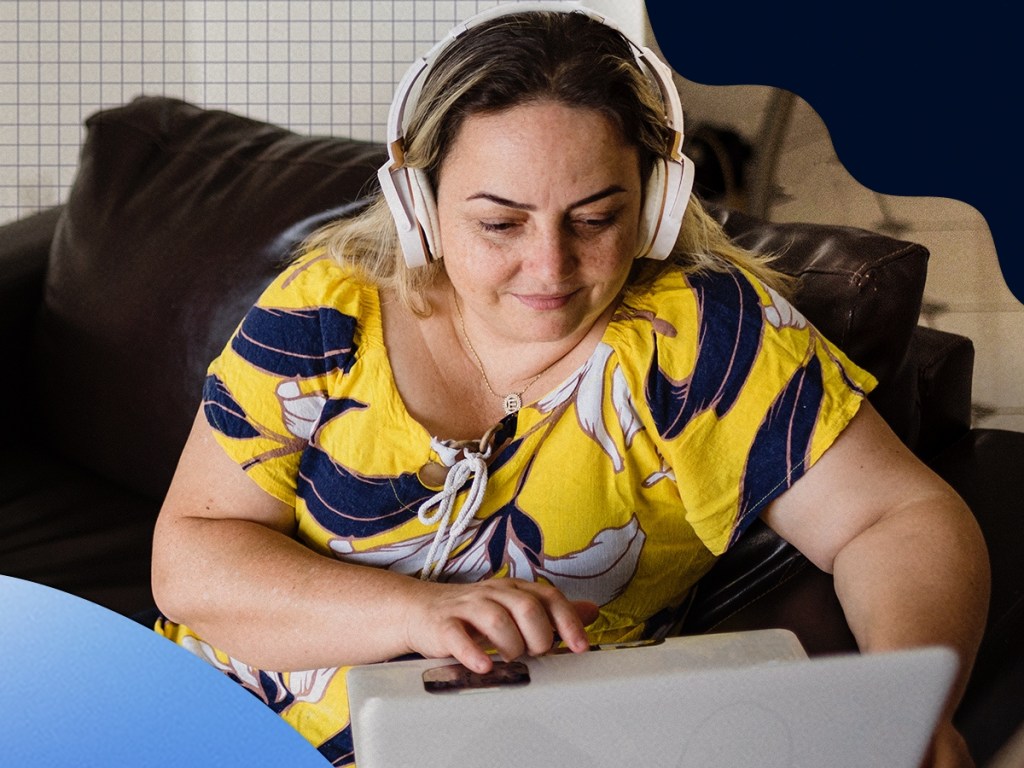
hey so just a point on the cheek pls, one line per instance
(472, 264)
(614, 261)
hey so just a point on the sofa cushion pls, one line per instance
(64, 527)
(177, 218)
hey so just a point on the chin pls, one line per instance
(551, 329)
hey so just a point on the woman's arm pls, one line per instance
(909, 561)
(226, 563)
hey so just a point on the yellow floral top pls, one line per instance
(707, 397)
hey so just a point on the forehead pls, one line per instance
(546, 138)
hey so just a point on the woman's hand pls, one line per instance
(512, 616)
(226, 563)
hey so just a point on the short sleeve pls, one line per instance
(745, 395)
(264, 394)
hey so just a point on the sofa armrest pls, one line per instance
(927, 400)
(24, 251)
(984, 467)
(945, 369)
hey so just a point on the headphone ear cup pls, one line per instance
(396, 186)
(654, 205)
(668, 194)
(426, 211)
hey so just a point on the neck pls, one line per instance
(509, 369)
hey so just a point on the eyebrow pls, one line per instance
(614, 189)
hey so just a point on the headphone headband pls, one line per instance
(408, 192)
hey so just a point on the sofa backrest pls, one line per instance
(179, 216)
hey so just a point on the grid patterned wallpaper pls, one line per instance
(326, 66)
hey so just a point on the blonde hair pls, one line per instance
(514, 60)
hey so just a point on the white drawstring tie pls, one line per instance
(472, 464)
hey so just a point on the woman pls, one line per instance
(536, 436)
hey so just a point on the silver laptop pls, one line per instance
(732, 700)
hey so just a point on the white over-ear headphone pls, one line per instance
(411, 198)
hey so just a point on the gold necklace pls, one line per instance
(512, 401)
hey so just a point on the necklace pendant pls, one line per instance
(513, 402)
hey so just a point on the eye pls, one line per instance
(594, 222)
(497, 226)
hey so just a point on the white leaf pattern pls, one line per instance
(665, 473)
(622, 398)
(300, 412)
(305, 686)
(564, 393)
(407, 557)
(473, 563)
(590, 404)
(781, 313)
(309, 685)
(600, 571)
(519, 565)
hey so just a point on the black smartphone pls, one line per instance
(455, 678)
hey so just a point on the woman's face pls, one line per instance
(538, 209)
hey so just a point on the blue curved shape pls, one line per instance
(779, 454)
(349, 504)
(297, 342)
(339, 406)
(529, 534)
(85, 685)
(729, 334)
(340, 748)
(510, 519)
(223, 412)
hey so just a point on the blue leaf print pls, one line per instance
(337, 406)
(297, 342)
(339, 749)
(510, 519)
(223, 411)
(346, 503)
(729, 335)
(778, 456)
(529, 533)
(496, 545)
(270, 690)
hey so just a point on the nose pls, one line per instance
(552, 255)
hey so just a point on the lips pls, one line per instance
(546, 302)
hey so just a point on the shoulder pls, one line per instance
(708, 336)
(682, 316)
(730, 292)
(311, 319)
(315, 279)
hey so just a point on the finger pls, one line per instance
(493, 620)
(562, 618)
(571, 619)
(530, 613)
(462, 646)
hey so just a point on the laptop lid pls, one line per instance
(734, 699)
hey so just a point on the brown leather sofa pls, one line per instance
(112, 304)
